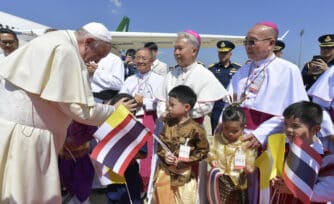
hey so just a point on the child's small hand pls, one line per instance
(91, 67)
(251, 141)
(278, 184)
(170, 159)
(165, 115)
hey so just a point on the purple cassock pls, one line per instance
(75, 168)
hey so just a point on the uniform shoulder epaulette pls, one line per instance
(212, 65)
(239, 65)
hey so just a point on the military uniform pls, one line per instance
(223, 74)
(309, 79)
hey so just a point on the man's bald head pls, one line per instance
(265, 31)
(260, 41)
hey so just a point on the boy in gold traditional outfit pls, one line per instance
(230, 159)
(175, 179)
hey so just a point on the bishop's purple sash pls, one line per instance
(255, 118)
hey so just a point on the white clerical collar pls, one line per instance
(186, 69)
(144, 75)
(264, 61)
(317, 145)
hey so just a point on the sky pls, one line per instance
(227, 17)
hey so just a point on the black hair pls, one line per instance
(150, 53)
(184, 94)
(308, 112)
(131, 52)
(119, 96)
(9, 31)
(234, 113)
(151, 45)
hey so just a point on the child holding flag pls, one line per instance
(175, 180)
(230, 159)
(308, 174)
(120, 193)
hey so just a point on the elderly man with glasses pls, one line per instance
(264, 87)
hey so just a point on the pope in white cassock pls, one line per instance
(45, 87)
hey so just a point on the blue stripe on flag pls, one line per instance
(118, 149)
(300, 168)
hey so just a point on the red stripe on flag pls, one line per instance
(133, 153)
(308, 149)
(110, 135)
(295, 190)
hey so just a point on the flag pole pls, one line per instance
(300, 48)
(163, 145)
(127, 190)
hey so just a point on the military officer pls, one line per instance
(279, 46)
(320, 63)
(223, 70)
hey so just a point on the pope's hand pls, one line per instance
(251, 141)
(131, 105)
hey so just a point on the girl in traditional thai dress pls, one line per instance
(230, 159)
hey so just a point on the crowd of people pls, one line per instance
(57, 89)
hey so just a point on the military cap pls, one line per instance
(225, 46)
(326, 40)
(279, 46)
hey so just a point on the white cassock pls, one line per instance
(45, 87)
(109, 74)
(208, 90)
(160, 68)
(270, 86)
(145, 85)
(322, 93)
(206, 86)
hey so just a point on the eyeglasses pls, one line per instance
(4, 42)
(141, 57)
(252, 42)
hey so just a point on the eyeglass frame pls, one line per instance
(253, 41)
(10, 42)
(137, 58)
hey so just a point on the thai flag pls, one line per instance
(120, 138)
(213, 185)
(301, 169)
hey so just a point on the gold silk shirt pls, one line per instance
(224, 152)
(174, 135)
